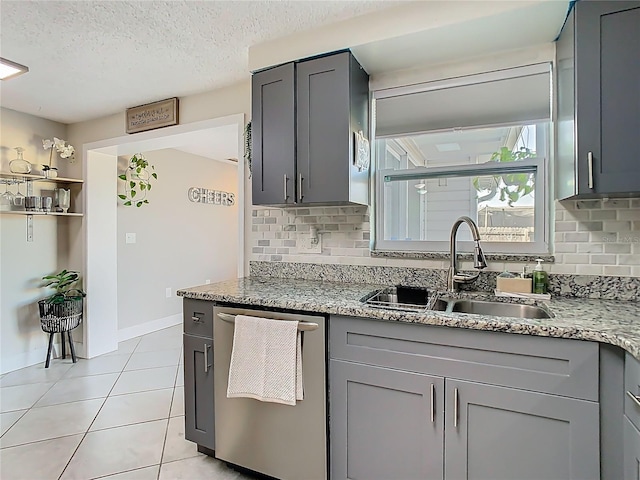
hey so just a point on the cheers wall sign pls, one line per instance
(212, 197)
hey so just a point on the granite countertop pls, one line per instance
(609, 321)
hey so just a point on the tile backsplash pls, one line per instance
(592, 237)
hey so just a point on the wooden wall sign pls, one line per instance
(152, 115)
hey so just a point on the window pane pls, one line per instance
(424, 210)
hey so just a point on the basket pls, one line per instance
(60, 317)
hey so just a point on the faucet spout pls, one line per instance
(479, 260)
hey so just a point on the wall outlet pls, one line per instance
(306, 243)
(207, 281)
(168, 292)
(130, 237)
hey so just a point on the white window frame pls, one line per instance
(540, 164)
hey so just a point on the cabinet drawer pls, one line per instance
(198, 317)
(632, 389)
(548, 365)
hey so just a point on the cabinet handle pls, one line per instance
(206, 357)
(196, 319)
(590, 163)
(300, 195)
(455, 407)
(286, 179)
(433, 403)
(635, 399)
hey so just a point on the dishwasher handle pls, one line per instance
(302, 326)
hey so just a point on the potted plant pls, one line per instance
(62, 147)
(137, 181)
(62, 311)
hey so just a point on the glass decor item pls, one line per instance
(19, 164)
(62, 199)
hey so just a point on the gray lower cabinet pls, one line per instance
(631, 451)
(385, 424)
(419, 402)
(198, 391)
(499, 433)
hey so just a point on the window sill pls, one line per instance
(496, 257)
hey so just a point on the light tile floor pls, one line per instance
(118, 416)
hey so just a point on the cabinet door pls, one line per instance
(385, 424)
(631, 451)
(273, 136)
(607, 95)
(499, 433)
(198, 391)
(323, 131)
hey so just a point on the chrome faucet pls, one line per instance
(479, 261)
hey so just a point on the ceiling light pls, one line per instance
(448, 147)
(9, 69)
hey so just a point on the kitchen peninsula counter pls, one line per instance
(609, 321)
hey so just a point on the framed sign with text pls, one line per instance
(152, 115)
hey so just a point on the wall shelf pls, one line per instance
(38, 178)
(51, 214)
(10, 178)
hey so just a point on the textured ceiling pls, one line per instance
(88, 59)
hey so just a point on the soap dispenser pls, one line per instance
(540, 278)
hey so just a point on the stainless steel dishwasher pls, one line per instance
(282, 441)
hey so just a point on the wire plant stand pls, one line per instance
(60, 318)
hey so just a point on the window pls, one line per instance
(476, 146)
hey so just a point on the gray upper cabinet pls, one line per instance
(304, 117)
(273, 136)
(599, 100)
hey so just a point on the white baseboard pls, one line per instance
(33, 357)
(148, 327)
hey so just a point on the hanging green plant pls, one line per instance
(137, 181)
(247, 146)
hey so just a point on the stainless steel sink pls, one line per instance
(498, 309)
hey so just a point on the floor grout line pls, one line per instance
(118, 377)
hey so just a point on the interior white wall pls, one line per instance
(179, 243)
(22, 263)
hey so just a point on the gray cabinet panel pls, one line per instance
(198, 391)
(273, 136)
(551, 365)
(381, 423)
(332, 104)
(323, 129)
(597, 54)
(631, 451)
(198, 317)
(505, 434)
(632, 387)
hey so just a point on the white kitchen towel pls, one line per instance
(266, 360)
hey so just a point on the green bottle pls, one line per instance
(540, 278)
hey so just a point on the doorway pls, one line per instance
(100, 228)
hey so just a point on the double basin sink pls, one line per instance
(411, 299)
